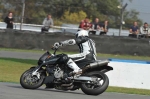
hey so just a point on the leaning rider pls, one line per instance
(86, 47)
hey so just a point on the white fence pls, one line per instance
(29, 27)
(71, 28)
(130, 74)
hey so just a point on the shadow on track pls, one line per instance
(50, 90)
(18, 87)
(62, 91)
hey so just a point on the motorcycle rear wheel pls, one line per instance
(28, 81)
(91, 89)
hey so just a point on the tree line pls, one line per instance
(68, 11)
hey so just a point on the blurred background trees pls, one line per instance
(68, 11)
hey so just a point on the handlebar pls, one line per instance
(55, 49)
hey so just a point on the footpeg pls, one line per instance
(76, 73)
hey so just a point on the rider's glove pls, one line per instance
(57, 44)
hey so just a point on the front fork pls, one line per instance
(35, 71)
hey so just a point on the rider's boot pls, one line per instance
(76, 70)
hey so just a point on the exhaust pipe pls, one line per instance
(97, 64)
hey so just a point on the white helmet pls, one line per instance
(82, 33)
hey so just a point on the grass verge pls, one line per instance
(11, 70)
(128, 90)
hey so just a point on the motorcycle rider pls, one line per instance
(86, 47)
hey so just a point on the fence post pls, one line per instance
(121, 20)
(22, 16)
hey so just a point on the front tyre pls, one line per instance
(98, 87)
(28, 81)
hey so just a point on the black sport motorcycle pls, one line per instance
(92, 81)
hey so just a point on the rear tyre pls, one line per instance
(99, 87)
(28, 81)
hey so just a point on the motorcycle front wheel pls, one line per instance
(99, 87)
(28, 81)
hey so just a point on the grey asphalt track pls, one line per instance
(15, 91)
(23, 55)
(20, 55)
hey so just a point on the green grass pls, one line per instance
(128, 90)
(98, 54)
(11, 70)
(146, 58)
